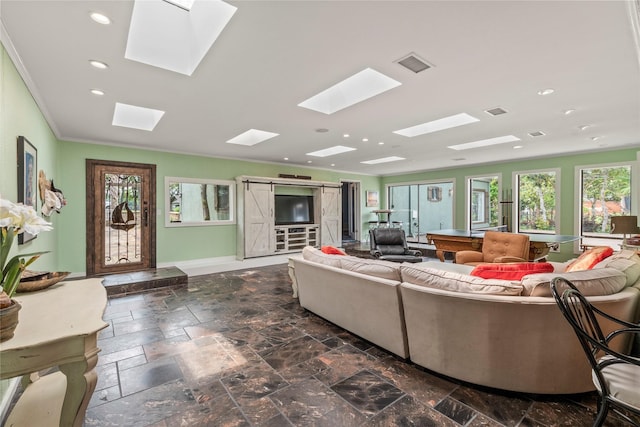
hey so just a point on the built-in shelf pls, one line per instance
(295, 238)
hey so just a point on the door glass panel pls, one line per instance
(419, 208)
(122, 229)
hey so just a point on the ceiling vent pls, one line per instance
(496, 111)
(414, 63)
(536, 133)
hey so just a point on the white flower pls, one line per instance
(21, 218)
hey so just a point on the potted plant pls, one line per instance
(15, 218)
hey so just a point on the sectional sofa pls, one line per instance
(506, 334)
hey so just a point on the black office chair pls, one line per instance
(615, 375)
(390, 244)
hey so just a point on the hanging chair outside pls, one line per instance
(123, 217)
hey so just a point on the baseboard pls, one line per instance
(198, 267)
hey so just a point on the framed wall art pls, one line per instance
(372, 199)
(27, 179)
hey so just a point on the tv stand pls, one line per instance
(257, 233)
(291, 238)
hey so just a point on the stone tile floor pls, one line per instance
(235, 349)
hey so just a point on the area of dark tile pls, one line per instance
(367, 392)
(235, 349)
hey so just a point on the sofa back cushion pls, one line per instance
(626, 261)
(372, 267)
(599, 281)
(511, 271)
(316, 255)
(435, 278)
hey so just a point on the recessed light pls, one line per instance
(570, 111)
(132, 116)
(252, 137)
(546, 92)
(97, 92)
(485, 142)
(383, 160)
(437, 125)
(584, 127)
(352, 90)
(346, 135)
(100, 18)
(333, 164)
(365, 139)
(98, 64)
(331, 151)
(286, 158)
(309, 161)
(517, 147)
(381, 143)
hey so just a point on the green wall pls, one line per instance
(566, 165)
(173, 243)
(20, 116)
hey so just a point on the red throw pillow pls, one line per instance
(512, 271)
(589, 258)
(332, 250)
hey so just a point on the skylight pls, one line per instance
(485, 142)
(183, 4)
(331, 151)
(252, 137)
(357, 88)
(164, 36)
(437, 125)
(132, 116)
(383, 160)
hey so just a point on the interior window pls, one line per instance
(483, 204)
(537, 203)
(605, 192)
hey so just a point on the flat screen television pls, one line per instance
(291, 210)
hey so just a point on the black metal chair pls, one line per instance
(390, 244)
(615, 375)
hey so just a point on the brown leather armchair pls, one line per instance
(497, 247)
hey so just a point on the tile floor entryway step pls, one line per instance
(143, 281)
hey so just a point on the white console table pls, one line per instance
(58, 327)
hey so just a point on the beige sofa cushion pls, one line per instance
(378, 268)
(601, 281)
(436, 278)
(316, 255)
(625, 261)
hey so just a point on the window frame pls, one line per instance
(168, 180)
(634, 193)
(468, 205)
(516, 195)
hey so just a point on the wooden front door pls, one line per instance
(121, 226)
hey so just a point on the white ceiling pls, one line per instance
(275, 54)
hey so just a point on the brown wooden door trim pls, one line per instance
(94, 192)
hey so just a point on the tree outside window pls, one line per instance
(605, 192)
(537, 202)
